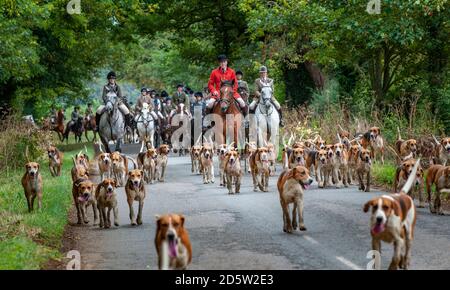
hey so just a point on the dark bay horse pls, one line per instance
(89, 124)
(227, 105)
(77, 129)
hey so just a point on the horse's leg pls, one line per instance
(105, 144)
(119, 145)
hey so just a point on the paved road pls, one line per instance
(245, 231)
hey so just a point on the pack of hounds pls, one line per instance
(346, 162)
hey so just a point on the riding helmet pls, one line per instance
(111, 75)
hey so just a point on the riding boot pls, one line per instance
(245, 111)
(281, 117)
(97, 122)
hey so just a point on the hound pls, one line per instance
(135, 191)
(83, 193)
(443, 150)
(250, 148)
(405, 148)
(260, 165)
(222, 153)
(438, 175)
(172, 242)
(161, 162)
(119, 168)
(401, 176)
(233, 171)
(393, 220)
(363, 169)
(206, 159)
(340, 164)
(104, 165)
(32, 185)
(107, 199)
(291, 184)
(55, 160)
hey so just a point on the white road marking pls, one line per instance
(311, 240)
(348, 263)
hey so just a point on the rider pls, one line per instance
(145, 98)
(180, 96)
(74, 118)
(53, 115)
(265, 81)
(243, 89)
(168, 107)
(219, 75)
(89, 111)
(198, 102)
(112, 87)
(156, 103)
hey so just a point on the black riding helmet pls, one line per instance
(143, 90)
(111, 75)
(238, 72)
(198, 94)
(164, 94)
(222, 57)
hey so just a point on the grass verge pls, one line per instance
(29, 240)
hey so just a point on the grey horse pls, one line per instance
(112, 123)
(268, 119)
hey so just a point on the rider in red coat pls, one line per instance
(218, 75)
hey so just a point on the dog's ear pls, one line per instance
(447, 171)
(182, 220)
(369, 204)
(294, 170)
(378, 131)
(38, 166)
(129, 173)
(86, 157)
(158, 222)
(141, 171)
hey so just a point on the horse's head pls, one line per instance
(226, 94)
(266, 96)
(180, 108)
(145, 108)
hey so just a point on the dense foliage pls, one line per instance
(374, 63)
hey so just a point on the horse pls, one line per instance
(59, 126)
(181, 111)
(77, 129)
(227, 105)
(112, 123)
(90, 125)
(146, 126)
(267, 118)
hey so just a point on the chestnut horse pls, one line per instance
(59, 126)
(227, 105)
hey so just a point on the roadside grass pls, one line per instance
(29, 240)
(383, 175)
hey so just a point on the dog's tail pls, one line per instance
(399, 137)
(410, 182)
(74, 161)
(26, 154)
(135, 166)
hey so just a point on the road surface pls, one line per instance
(244, 231)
